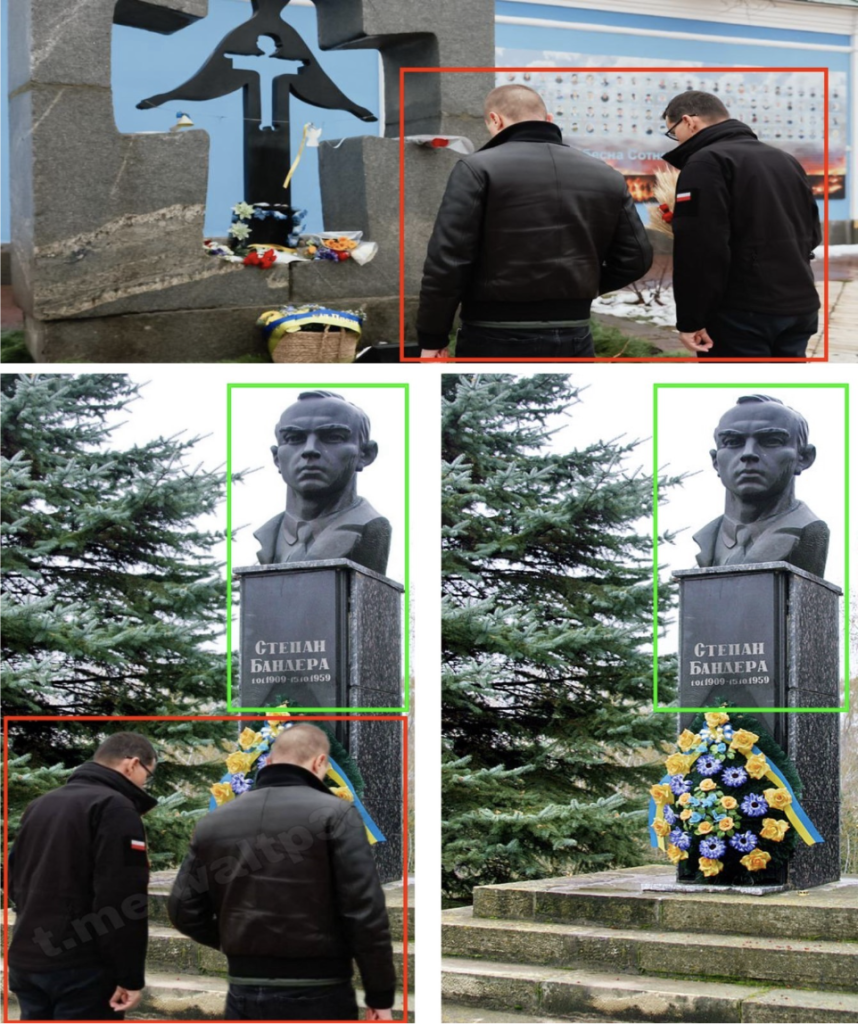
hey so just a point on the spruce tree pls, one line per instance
(112, 597)
(548, 731)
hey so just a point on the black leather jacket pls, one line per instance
(744, 228)
(78, 877)
(529, 229)
(283, 880)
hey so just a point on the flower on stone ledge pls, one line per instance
(243, 210)
(239, 230)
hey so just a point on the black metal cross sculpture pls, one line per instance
(267, 152)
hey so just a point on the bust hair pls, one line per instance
(362, 418)
(696, 104)
(802, 430)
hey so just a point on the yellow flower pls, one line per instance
(677, 764)
(686, 814)
(716, 718)
(346, 794)
(684, 799)
(687, 740)
(675, 854)
(728, 802)
(756, 860)
(239, 762)
(774, 829)
(743, 741)
(704, 828)
(661, 794)
(756, 766)
(709, 866)
(222, 792)
(725, 824)
(780, 799)
(249, 739)
(660, 827)
(708, 784)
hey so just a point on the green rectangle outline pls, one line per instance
(756, 386)
(405, 709)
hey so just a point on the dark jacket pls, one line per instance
(529, 229)
(79, 876)
(283, 880)
(745, 234)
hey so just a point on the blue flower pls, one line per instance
(721, 747)
(701, 749)
(679, 784)
(712, 847)
(707, 765)
(744, 842)
(707, 801)
(734, 776)
(754, 805)
(695, 818)
(680, 839)
(669, 815)
(239, 783)
(262, 761)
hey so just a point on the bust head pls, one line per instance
(322, 443)
(761, 447)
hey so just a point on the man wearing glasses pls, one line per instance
(745, 225)
(78, 878)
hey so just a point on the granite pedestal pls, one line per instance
(765, 635)
(328, 634)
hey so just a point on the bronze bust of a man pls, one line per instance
(761, 447)
(323, 442)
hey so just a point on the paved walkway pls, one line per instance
(843, 328)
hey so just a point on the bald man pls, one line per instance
(529, 232)
(283, 880)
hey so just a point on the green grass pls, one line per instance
(13, 349)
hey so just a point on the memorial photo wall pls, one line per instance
(615, 115)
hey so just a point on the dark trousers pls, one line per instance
(78, 993)
(740, 332)
(524, 342)
(273, 1002)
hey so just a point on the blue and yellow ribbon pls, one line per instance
(795, 812)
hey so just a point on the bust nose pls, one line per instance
(749, 453)
(311, 445)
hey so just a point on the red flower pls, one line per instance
(252, 259)
(440, 143)
(268, 259)
(342, 256)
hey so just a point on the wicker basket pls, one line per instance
(333, 345)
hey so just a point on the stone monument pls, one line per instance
(320, 622)
(758, 623)
(107, 228)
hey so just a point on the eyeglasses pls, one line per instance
(671, 129)
(150, 775)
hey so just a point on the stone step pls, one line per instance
(616, 899)
(809, 963)
(161, 882)
(175, 997)
(170, 950)
(549, 993)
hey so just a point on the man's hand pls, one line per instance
(378, 1014)
(124, 999)
(425, 353)
(696, 341)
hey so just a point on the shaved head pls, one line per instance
(299, 744)
(515, 103)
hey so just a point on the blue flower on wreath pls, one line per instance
(680, 839)
(239, 783)
(669, 815)
(727, 730)
(744, 842)
(262, 761)
(701, 749)
(712, 847)
(707, 801)
(734, 776)
(707, 765)
(695, 818)
(754, 805)
(679, 784)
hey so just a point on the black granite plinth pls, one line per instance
(377, 748)
(766, 635)
(319, 635)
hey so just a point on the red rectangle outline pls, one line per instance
(205, 718)
(611, 359)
